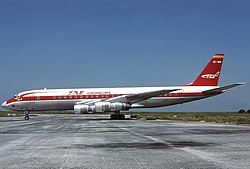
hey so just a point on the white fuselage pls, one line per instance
(65, 99)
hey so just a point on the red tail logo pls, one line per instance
(211, 73)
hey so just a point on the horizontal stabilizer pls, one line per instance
(221, 89)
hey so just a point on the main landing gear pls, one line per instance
(26, 115)
(117, 116)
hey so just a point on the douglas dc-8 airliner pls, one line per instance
(100, 100)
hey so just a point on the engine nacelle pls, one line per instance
(83, 109)
(101, 107)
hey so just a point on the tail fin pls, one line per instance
(211, 73)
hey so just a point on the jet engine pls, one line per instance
(100, 107)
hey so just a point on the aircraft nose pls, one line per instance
(4, 104)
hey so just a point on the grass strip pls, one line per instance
(215, 117)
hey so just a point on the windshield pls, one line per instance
(16, 96)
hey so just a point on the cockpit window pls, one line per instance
(16, 96)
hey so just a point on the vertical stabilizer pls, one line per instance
(211, 73)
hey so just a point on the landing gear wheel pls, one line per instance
(26, 117)
(117, 116)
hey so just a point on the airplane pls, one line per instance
(115, 100)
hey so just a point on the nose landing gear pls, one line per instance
(26, 115)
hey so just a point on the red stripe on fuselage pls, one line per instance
(11, 100)
(74, 97)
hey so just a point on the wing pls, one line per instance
(134, 98)
(90, 102)
(221, 89)
(131, 98)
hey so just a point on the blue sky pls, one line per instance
(112, 43)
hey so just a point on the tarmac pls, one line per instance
(95, 142)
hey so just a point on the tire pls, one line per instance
(112, 117)
(117, 117)
(121, 117)
(26, 117)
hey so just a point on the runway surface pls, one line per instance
(94, 141)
